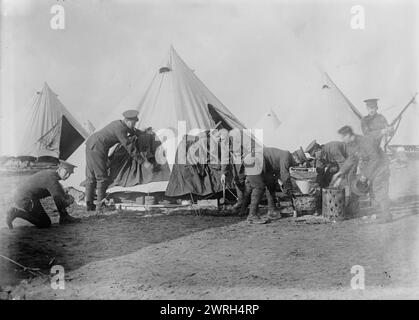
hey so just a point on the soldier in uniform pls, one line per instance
(276, 166)
(97, 149)
(255, 185)
(373, 164)
(329, 157)
(232, 159)
(262, 175)
(374, 125)
(42, 184)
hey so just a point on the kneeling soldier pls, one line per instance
(41, 185)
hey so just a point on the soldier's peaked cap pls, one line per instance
(371, 102)
(130, 114)
(312, 146)
(67, 165)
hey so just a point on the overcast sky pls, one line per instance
(253, 55)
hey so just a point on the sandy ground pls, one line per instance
(125, 256)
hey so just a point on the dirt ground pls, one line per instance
(126, 256)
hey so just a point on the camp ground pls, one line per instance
(219, 151)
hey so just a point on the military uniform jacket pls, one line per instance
(372, 126)
(363, 151)
(113, 133)
(275, 160)
(42, 184)
(333, 152)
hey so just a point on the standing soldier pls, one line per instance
(232, 159)
(42, 184)
(373, 165)
(97, 149)
(255, 185)
(375, 125)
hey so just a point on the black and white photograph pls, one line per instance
(228, 151)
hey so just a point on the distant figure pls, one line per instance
(375, 125)
(42, 184)
(374, 167)
(97, 149)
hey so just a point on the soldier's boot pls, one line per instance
(236, 208)
(257, 194)
(253, 208)
(90, 190)
(100, 200)
(243, 210)
(65, 218)
(39, 220)
(253, 218)
(10, 216)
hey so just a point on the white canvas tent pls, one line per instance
(321, 110)
(174, 94)
(49, 128)
(269, 123)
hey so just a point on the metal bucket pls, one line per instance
(304, 186)
(139, 200)
(333, 203)
(303, 180)
(305, 204)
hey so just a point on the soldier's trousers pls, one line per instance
(270, 182)
(97, 177)
(240, 193)
(254, 189)
(379, 190)
(32, 211)
(286, 178)
(239, 184)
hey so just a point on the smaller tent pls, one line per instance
(50, 129)
(269, 123)
(323, 109)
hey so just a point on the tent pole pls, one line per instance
(192, 203)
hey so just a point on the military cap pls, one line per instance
(66, 165)
(312, 146)
(371, 103)
(130, 114)
(300, 155)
